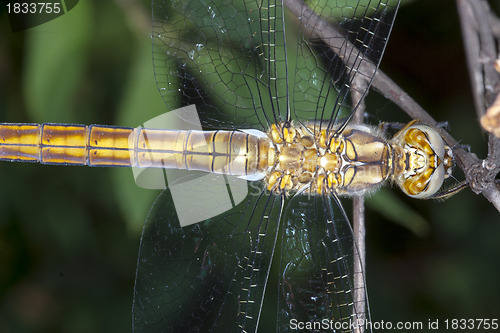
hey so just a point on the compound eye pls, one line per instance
(434, 138)
(424, 186)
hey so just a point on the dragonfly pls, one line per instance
(231, 62)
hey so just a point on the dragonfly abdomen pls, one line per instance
(65, 144)
(228, 152)
(223, 152)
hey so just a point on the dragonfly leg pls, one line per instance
(444, 125)
(461, 146)
(387, 127)
(449, 192)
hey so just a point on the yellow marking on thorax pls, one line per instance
(325, 162)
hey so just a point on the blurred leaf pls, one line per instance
(386, 203)
(55, 63)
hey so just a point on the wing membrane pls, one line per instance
(226, 57)
(209, 276)
(318, 267)
(339, 43)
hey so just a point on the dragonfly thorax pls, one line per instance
(309, 158)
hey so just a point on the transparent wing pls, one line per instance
(339, 43)
(226, 57)
(207, 277)
(319, 267)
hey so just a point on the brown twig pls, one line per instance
(476, 18)
(358, 216)
(470, 38)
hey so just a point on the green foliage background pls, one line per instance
(69, 236)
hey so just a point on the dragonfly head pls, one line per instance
(428, 159)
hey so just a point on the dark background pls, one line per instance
(69, 236)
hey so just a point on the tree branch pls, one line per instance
(479, 44)
(358, 208)
(478, 30)
(470, 38)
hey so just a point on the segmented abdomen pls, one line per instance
(228, 152)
